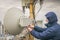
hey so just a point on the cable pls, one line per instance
(41, 2)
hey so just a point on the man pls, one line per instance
(52, 32)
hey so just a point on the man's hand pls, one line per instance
(30, 27)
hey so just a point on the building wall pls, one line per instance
(48, 5)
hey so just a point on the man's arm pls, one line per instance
(39, 29)
(49, 33)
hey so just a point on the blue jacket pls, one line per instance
(52, 32)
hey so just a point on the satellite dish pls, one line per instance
(11, 21)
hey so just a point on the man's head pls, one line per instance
(50, 19)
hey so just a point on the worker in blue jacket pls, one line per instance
(52, 32)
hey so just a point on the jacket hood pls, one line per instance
(52, 18)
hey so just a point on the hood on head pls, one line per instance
(52, 18)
